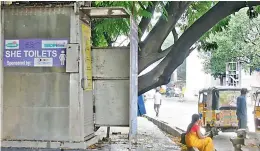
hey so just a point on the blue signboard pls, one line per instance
(35, 52)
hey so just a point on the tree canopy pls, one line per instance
(191, 19)
(238, 41)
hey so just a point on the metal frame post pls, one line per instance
(1, 68)
(76, 118)
(133, 80)
(239, 74)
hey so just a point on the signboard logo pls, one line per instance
(45, 62)
(54, 44)
(12, 44)
(35, 52)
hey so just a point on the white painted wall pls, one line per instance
(252, 80)
(196, 79)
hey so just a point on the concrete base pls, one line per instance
(165, 127)
(49, 145)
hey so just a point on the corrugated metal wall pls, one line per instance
(36, 99)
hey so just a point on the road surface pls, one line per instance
(179, 114)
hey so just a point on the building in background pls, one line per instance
(197, 79)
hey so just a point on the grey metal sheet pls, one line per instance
(36, 100)
(112, 63)
(76, 105)
(36, 89)
(88, 113)
(72, 58)
(30, 123)
(112, 102)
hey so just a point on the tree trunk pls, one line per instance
(151, 46)
(160, 75)
(221, 79)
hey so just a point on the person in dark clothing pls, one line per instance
(242, 110)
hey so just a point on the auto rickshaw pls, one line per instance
(256, 97)
(217, 108)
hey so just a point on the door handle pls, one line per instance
(82, 83)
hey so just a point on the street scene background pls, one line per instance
(178, 114)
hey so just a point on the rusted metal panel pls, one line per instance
(112, 63)
(112, 102)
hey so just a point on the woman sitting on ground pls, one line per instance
(194, 137)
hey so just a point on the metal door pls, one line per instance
(111, 69)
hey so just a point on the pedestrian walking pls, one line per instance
(242, 110)
(157, 101)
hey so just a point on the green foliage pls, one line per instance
(113, 28)
(197, 9)
(238, 41)
(117, 27)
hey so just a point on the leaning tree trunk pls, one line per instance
(180, 50)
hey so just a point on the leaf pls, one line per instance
(116, 27)
(144, 13)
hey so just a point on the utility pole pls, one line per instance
(233, 74)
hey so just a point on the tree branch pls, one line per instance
(152, 44)
(145, 21)
(175, 35)
(157, 56)
(163, 27)
(180, 50)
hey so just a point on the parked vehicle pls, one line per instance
(256, 112)
(217, 107)
(163, 89)
(177, 92)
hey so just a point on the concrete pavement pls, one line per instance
(149, 138)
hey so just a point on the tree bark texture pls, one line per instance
(160, 75)
(151, 46)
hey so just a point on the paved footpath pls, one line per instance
(150, 138)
